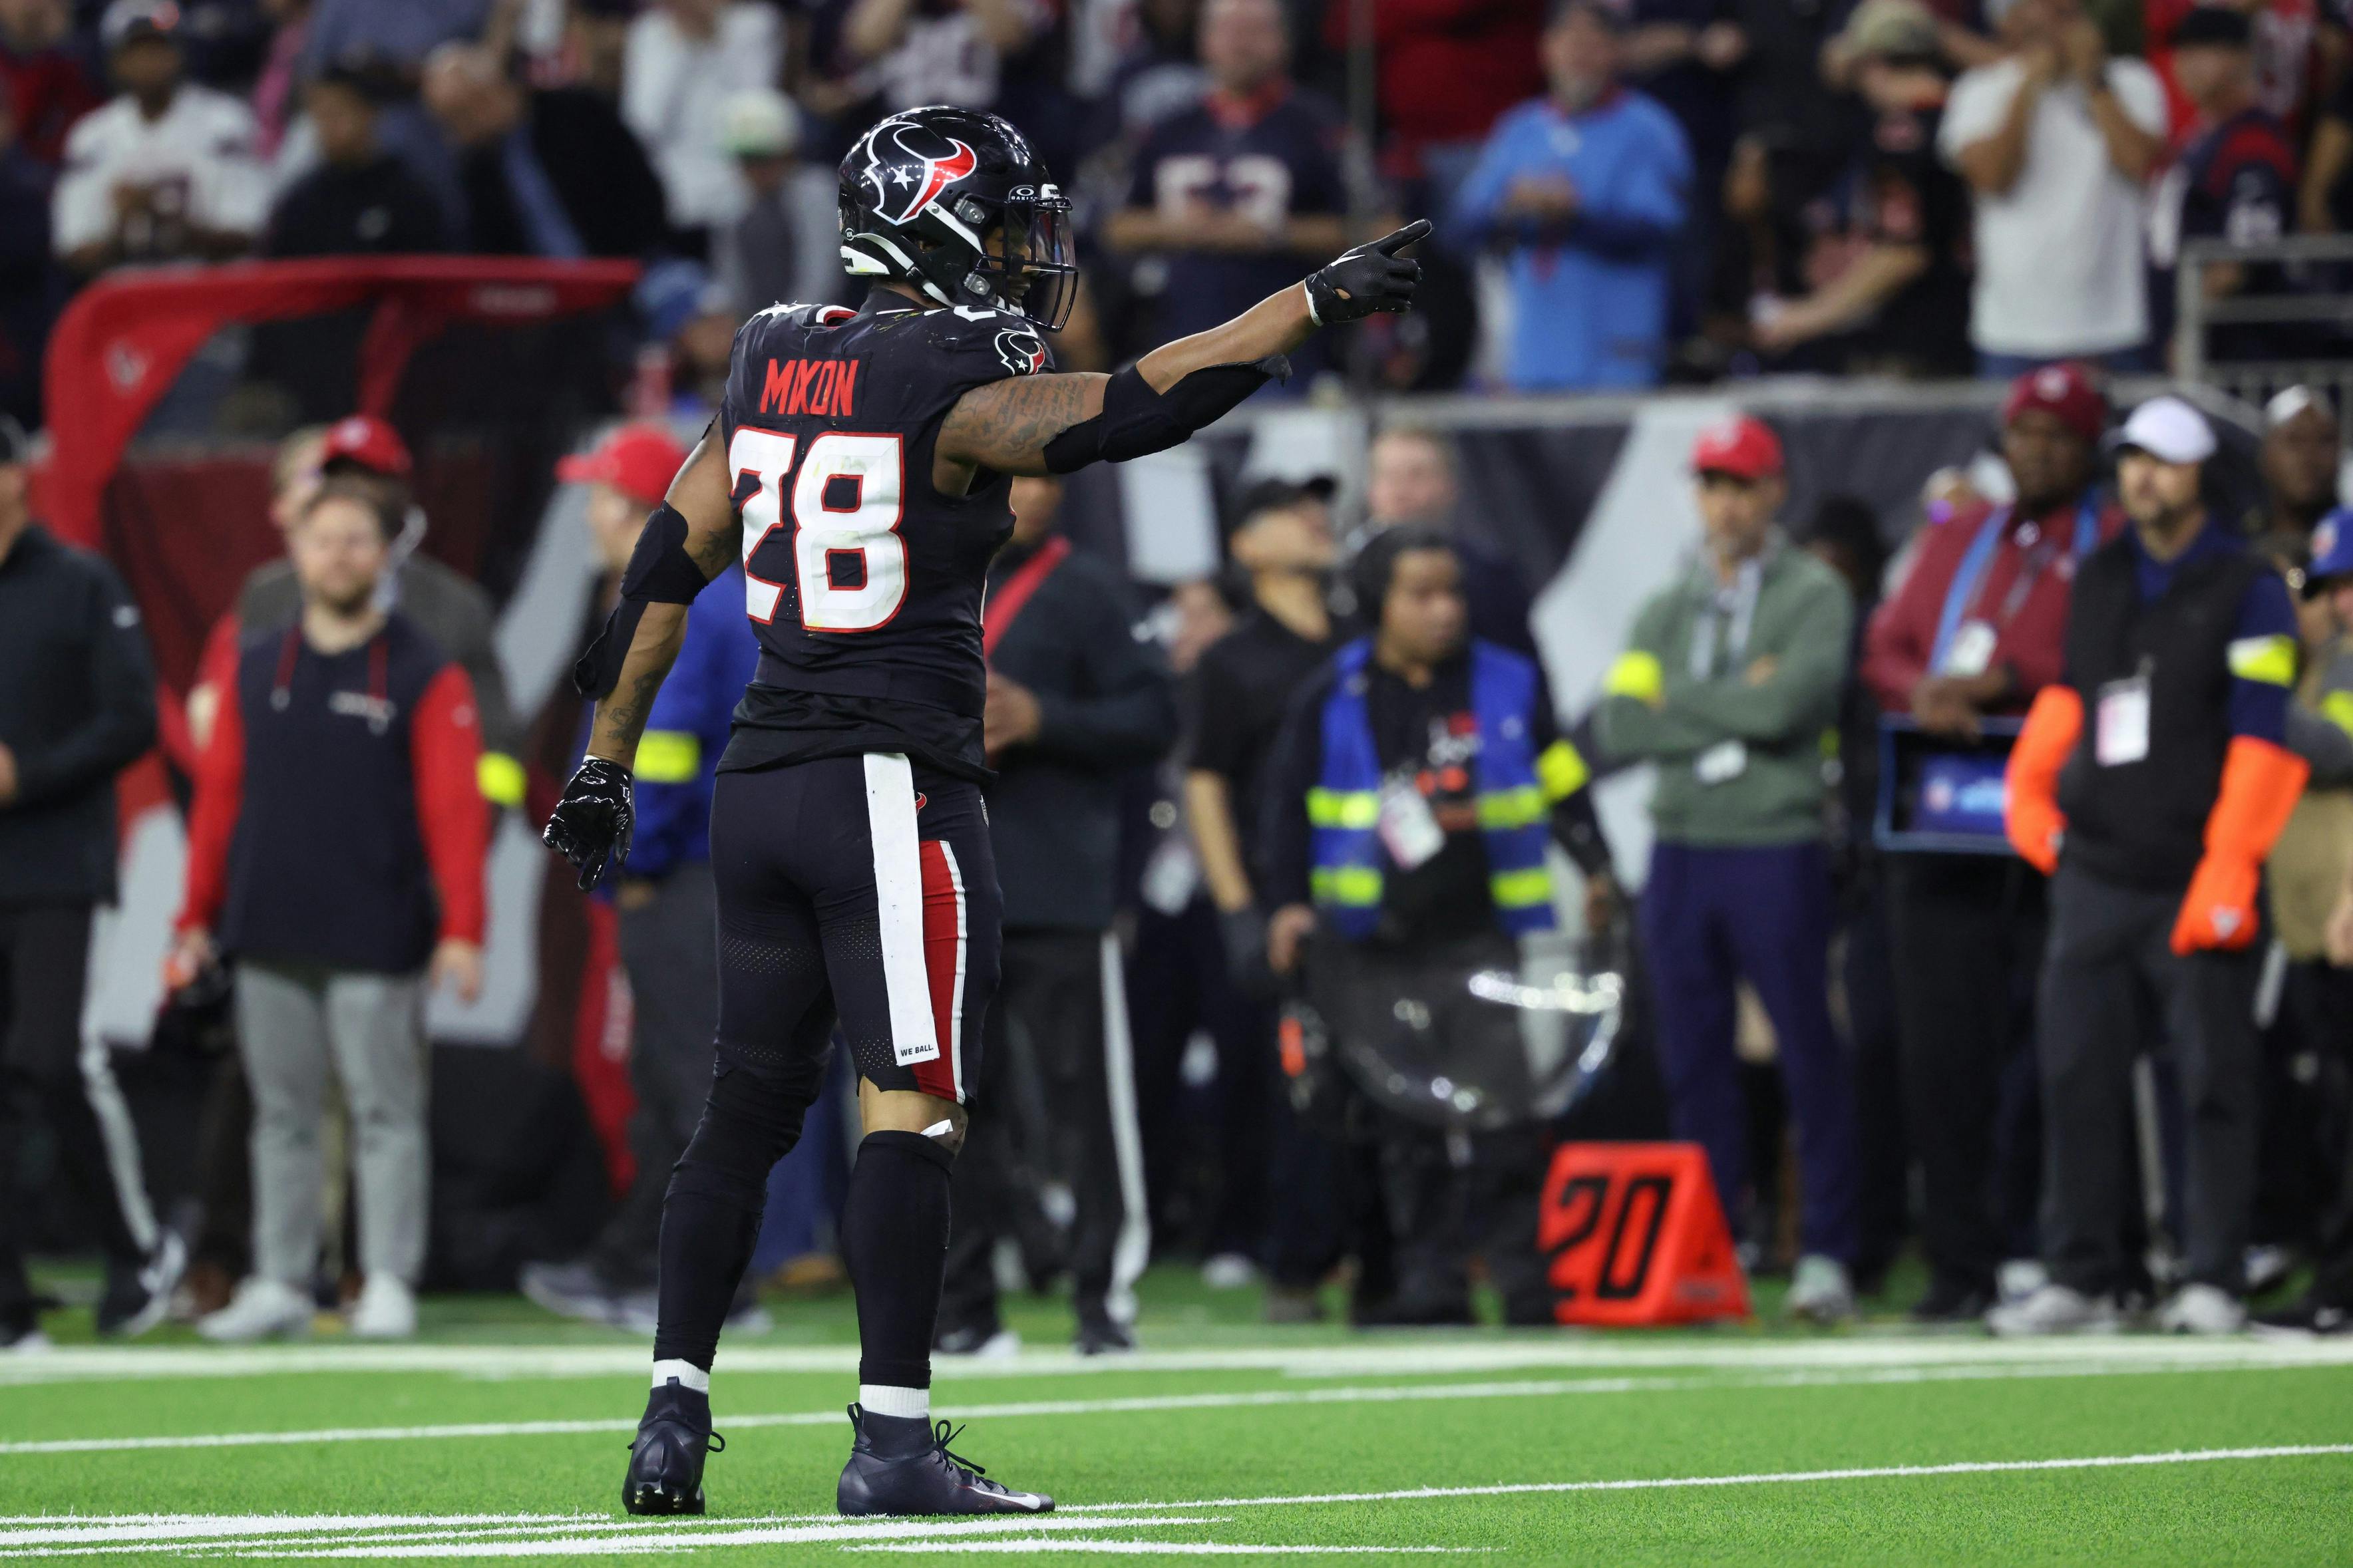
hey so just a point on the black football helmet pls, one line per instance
(954, 202)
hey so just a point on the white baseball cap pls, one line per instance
(2167, 429)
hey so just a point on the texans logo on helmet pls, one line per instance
(908, 165)
(1023, 351)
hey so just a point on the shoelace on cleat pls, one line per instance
(941, 1435)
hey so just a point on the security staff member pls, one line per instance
(666, 902)
(1078, 698)
(77, 705)
(1417, 782)
(1973, 632)
(2150, 783)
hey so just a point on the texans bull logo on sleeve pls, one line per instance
(1023, 351)
(908, 165)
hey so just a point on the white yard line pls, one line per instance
(1765, 1477)
(2089, 1365)
(1491, 1353)
(1162, 1548)
(750, 1533)
(365, 1536)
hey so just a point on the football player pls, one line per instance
(859, 469)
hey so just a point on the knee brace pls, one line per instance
(1136, 420)
(659, 572)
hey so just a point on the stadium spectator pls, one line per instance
(546, 171)
(2298, 465)
(666, 902)
(448, 607)
(1728, 683)
(1240, 693)
(693, 317)
(787, 244)
(2150, 783)
(1079, 701)
(980, 53)
(1901, 304)
(2311, 869)
(597, 45)
(165, 170)
(2055, 143)
(1419, 783)
(77, 706)
(1230, 196)
(685, 59)
(1159, 75)
(2234, 179)
(43, 85)
(335, 851)
(1974, 633)
(2324, 194)
(360, 200)
(1585, 192)
(1410, 480)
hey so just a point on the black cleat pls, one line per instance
(666, 1456)
(901, 1464)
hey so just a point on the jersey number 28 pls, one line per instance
(849, 560)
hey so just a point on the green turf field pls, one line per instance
(501, 1435)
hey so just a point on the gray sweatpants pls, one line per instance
(299, 1026)
(2112, 990)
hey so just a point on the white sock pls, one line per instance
(881, 1399)
(688, 1374)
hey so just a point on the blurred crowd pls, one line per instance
(1627, 191)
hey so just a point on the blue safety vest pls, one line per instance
(1343, 808)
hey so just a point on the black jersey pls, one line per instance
(863, 583)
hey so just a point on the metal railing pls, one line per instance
(2321, 271)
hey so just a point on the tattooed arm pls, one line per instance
(715, 537)
(1005, 425)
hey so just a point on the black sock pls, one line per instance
(710, 1217)
(894, 1238)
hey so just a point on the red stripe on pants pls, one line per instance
(943, 951)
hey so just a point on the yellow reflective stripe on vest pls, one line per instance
(499, 778)
(1561, 770)
(2271, 660)
(668, 756)
(1518, 808)
(1356, 886)
(1637, 675)
(2338, 706)
(1343, 808)
(1521, 889)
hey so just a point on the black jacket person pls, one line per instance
(1078, 698)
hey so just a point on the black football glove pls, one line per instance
(1367, 278)
(595, 820)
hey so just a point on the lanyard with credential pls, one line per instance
(1970, 575)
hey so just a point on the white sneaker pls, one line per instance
(25, 1341)
(2054, 1310)
(2019, 1278)
(1002, 1345)
(1820, 1291)
(2202, 1309)
(387, 1310)
(1228, 1271)
(260, 1309)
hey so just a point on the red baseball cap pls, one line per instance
(2064, 390)
(368, 442)
(1742, 447)
(638, 460)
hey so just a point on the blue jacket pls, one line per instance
(688, 728)
(1589, 300)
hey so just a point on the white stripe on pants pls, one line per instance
(297, 1025)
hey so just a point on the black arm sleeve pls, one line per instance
(1136, 420)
